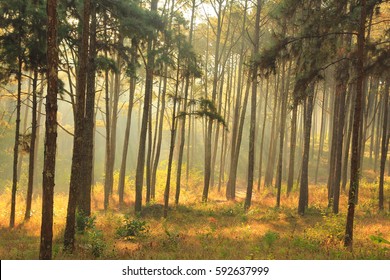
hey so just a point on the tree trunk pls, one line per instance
(84, 203)
(114, 115)
(45, 251)
(139, 177)
(322, 132)
(269, 173)
(16, 143)
(251, 155)
(385, 144)
(262, 136)
(31, 166)
(231, 184)
(347, 142)
(355, 159)
(342, 77)
(122, 174)
(235, 149)
(208, 145)
(79, 151)
(304, 185)
(284, 96)
(293, 141)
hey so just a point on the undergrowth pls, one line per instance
(217, 229)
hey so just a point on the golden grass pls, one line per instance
(218, 229)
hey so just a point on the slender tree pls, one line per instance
(251, 155)
(355, 158)
(45, 251)
(78, 140)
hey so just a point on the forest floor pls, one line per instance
(214, 230)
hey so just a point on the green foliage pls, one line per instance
(208, 110)
(329, 231)
(105, 63)
(132, 228)
(84, 222)
(234, 210)
(172, 237)
(378, 239)
(270, 238)
(305, 244)
(95, 242)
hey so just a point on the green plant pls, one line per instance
(95, 242)
(329, 231)
(378, 239)
(270, 237)
(132, 228)
(172, 237)
(84, 222)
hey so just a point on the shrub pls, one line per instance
(132, 228)
(95, 242)
(84, 222)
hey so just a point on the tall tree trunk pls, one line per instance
(208, 145)
(114, 115)
(262, 136)
(45, 251)
(342, 77)
(139, 177)
(37, 172)
(22, 131)
(160, 121)
(269, 173)
(173, 135)
(235, 149)
(84, 203)
(31, 166)
(282, 127)
(79, 151)
(322, 132)
(17, 132)
(385, 144)
(333, 147)
(149, 155)
(304, 184)
(293, 141)
(107, 171)
(355, 159)
(251, 155)
(231, 184)
(122, 173)
(347, 142)
(183, 119)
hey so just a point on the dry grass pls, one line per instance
(214, 230)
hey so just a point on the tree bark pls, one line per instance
(122, 173)
(45, 251)
(304, 184)
(355, 158)
(385, 145)
(282, 127)
(17, 132)
(139, 177)
(84, 203)
(79, 151)
(293, 141)
(251, 155)
(31, 166)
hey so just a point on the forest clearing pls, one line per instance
(194, 129)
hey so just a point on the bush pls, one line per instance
(270, 237)
(132, 228)
(84, 222)
(95, 242)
